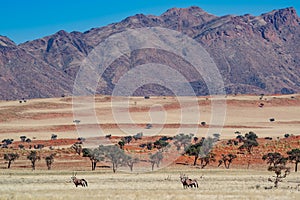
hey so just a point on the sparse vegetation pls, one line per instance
(206, 159)
(115, 155)
(202, 150)
(130, 161)
(182, 140)
(274, 159)
(281, 171)
(127, 139)
(49, 161)
(53, 137)
(77, 147)
(121, 144)
(155, 159)
(38, 146)
(160, 143)
(294, 157)
(33, 157)
(23, 138)
(95, 156)
(138, 136)
(145, 148)
(272, 119)
(6, 142)
(249, 142)
(227, 160)
(10, 157)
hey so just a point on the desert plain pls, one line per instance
(69, 119)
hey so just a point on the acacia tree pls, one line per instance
(33, 157)
(205, 154)
(227, 160)
(281, 171)
(23, 138)
(95, 156)
(10, 157)
(194, 150)
(202, 149)
(277, 164)
(204, 161)
(161, 144)
(182, 140)
(77, 147)
(249, 142)
(115, 155)
(156, 159)
(121, 144)
(130, 161)
(49, 161)
(294, 156)
(274, 159)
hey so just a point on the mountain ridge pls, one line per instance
(254, 54)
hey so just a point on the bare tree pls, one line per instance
(10, 157)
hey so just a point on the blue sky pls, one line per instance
(23, 20)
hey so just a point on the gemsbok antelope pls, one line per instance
(77, 181)
(187, 182)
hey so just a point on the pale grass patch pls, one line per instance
(163, 184)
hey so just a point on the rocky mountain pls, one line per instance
(255, 54)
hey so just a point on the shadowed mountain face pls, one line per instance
(254, 54)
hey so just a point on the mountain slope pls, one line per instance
(25, 76)
(255, 54)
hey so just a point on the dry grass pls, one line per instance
(163, 184)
